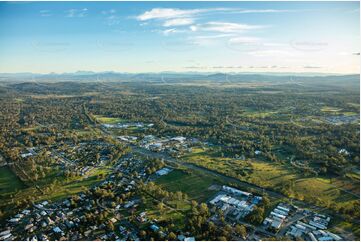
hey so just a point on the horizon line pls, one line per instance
(176, 72)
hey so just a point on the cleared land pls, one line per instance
(195, 185)
(9, 182)
(108, 120)
(51, 189)
(280, 177)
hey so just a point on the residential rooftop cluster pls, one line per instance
(83, 157)
(77, 217)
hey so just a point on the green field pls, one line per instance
(195, 185)
(73, 186)
(330, 109)
(334, 110)
(276, 176)
(150, 206)
(9, 182)
(108, 120)
(61, 189)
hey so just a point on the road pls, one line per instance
(167, 158)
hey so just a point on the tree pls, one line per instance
(266, 201)
(256, 216)
(97, 156)
(110, 226)
(142, 234)
(203, 209)
(211, 227)
(241, 230)
(172, 236)
(161, 207)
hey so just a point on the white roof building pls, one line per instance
(163, 171)
(276, 224)
(216, 199)
(283, 208)
(179, 139)
(235, 191)
(26, 155)
(57, 230)
(190, 239)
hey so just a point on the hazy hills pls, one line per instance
(169, 77)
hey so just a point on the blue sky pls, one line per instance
(45, 37)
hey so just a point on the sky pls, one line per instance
(44, 37)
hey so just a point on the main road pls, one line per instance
(171, 160)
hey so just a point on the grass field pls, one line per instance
(335, 110)
(72, 187)
(323, 190)
(194, 185)
(108, 120)
(77, 185)
(330, 109)
(150, 207)
(9, 182)
(62, 188)
(258, 114)
(275, 176)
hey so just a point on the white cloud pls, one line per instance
(76, 13)
(169, 31)
(178, 22)
(193, 28)
(172, 31)
(225, 27)
(174, 17)
(168, 13)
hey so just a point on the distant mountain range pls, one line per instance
(169, 77)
